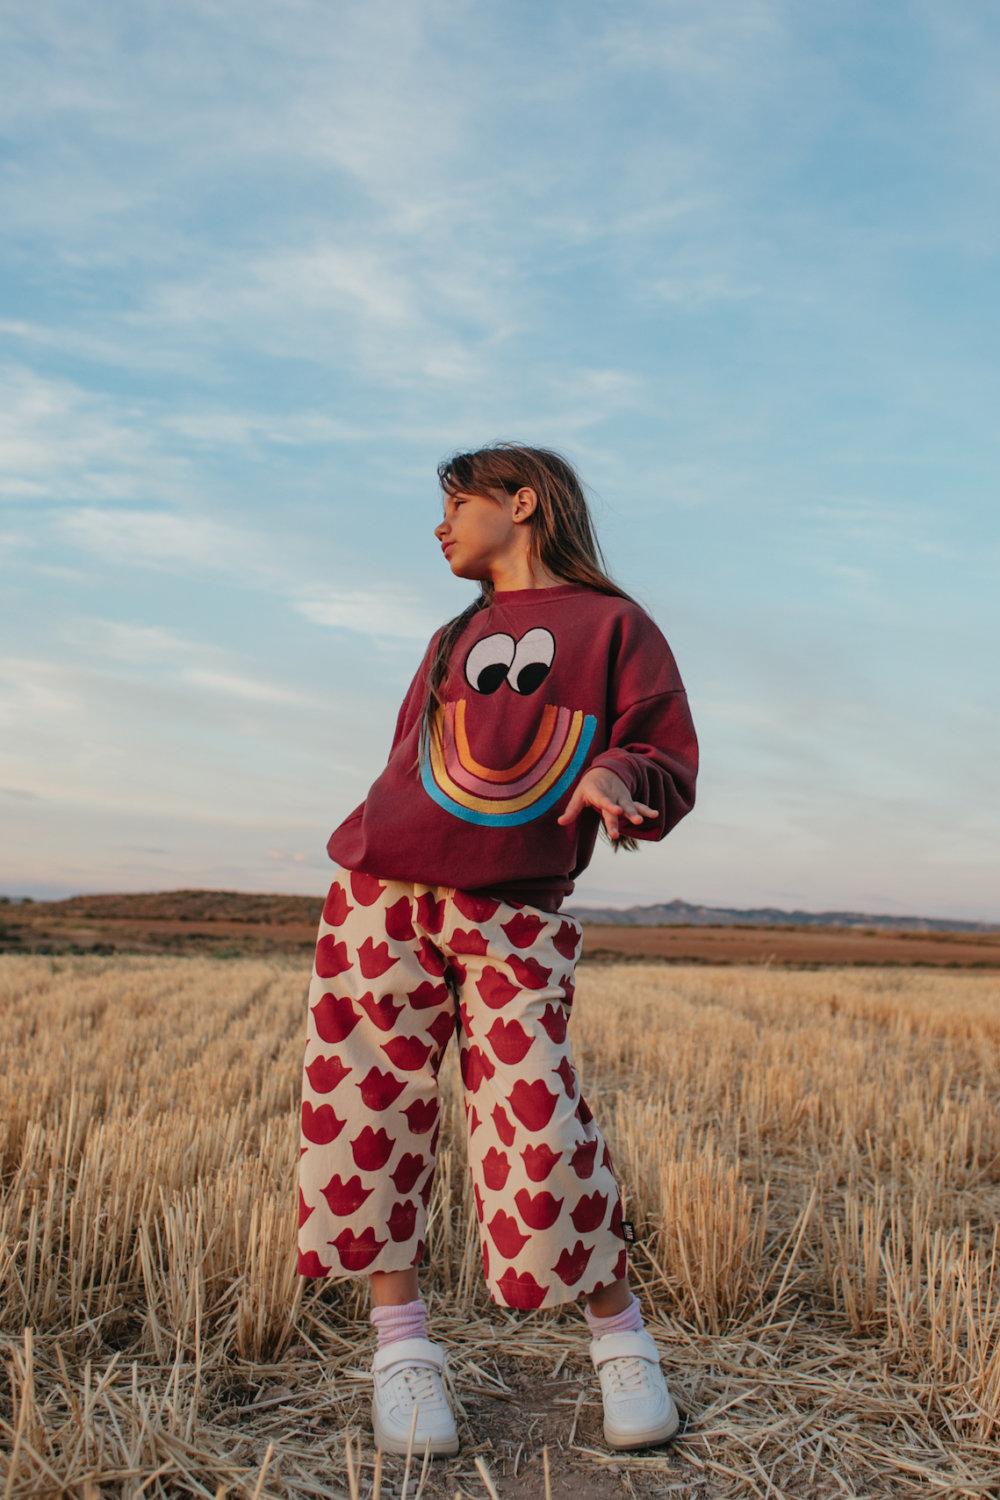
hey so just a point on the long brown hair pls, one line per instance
(562, 538)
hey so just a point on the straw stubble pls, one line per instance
(811, 1159)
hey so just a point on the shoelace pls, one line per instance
(627, 1373)
(421, 1384)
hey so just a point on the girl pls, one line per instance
(548, 706)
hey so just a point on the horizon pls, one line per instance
(260, 272)
(568, 905)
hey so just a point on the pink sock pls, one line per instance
(407, 1321)
(629, 1321)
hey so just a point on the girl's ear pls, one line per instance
(524, 504)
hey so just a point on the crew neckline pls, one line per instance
(533, 596)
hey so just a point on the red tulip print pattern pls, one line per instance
(567, 1074)
(430, 913)
(539, 1161)
(531, 974)
(357, 1251)
(402, 1222)
(589, 1213)
(331, 957)
(407, 1052)
(523, 928)
(469, 942)
(421, 1115)
(509, 1040)
(553, 1019)
(572, 1263)
(426, 995)
(430, 958)
(506, 1235)
(495, 989)
(533, 1103)
(383, 1012)
(475, 1067)
(495, 1169)
(365, 888)
(324, 1073)
(319, 1123)
(477, 909)
(399, 921)
(538, 1210)
(311, 1265)
(407, 1171)
(345, 1198)
(372, 1148)
(335, 1018)
(566, 940)
(442, 1028)
(379, 1090)
(582, 1160)
(502, 1125)
(521, 1290)
(336, 908)
(375, 960)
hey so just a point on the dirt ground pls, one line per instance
(518, 1417)
(798, 947)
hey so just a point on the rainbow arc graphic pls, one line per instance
(503, 798)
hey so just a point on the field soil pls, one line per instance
(795, 947)
(233, 923)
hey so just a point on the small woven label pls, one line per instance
(628, 1232)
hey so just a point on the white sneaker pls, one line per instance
(407, 1376)
(638, 1408)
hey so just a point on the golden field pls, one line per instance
(812, 1160)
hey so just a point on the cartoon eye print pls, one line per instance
(532, 661)
(523, 664)
(487, 663)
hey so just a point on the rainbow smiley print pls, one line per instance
(502, 797)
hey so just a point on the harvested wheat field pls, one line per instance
(812, 1160)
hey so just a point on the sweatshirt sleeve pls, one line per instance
(652, 744)
(655, 752)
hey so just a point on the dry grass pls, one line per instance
(812, 1160)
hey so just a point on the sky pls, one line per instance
(262, 265)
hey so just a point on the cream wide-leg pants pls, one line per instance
(400, 967)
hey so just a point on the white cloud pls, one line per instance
(371, 613)
(61, 441)
(234, 685)
(234, 428)
(157, 538)
(198, 662)
(113, 640)
(696, 45)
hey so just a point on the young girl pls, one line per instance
(552, 703)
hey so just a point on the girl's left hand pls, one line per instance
(607, 794)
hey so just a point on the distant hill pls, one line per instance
(683, 914)
(252, 908)
(181, 906)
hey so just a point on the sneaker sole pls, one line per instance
(400, 1447)
(645, 1439)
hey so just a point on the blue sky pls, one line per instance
(263, 265)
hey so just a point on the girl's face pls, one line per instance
(485, 536)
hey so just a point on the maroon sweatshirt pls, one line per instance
(542, 685)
